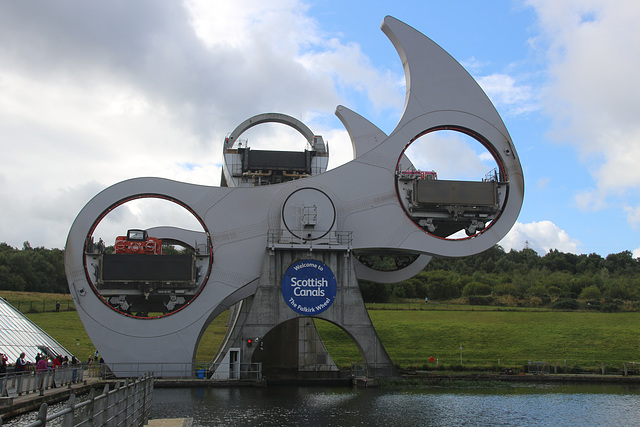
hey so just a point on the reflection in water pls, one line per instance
(557, 405)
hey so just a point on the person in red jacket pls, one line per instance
(56, 362)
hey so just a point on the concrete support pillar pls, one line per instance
(268, 310)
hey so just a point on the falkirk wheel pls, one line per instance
(283, 241)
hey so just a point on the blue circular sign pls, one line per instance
(309, 287)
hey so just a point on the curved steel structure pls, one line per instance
(268, 118)
(367, 197)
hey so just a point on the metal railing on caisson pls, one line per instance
(245, 371)
(16, 384)
(128, 404)
(176, 370)
(236, 371)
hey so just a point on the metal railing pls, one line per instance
(126, 405)
(538, 367)
(177, 370)
(251, 371)
(291, 239)
(29, 306)
(239, 371)
(15, 384)
(358, 371)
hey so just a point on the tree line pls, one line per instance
(492, 277)
(563, 280)
(32, 269)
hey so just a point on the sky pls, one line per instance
(94, 92)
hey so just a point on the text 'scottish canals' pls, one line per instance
(309, 287)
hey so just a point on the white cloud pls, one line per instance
(95, 92)
(633, 215)
(453, 155)
(474, 65)
(340, 148)
(543, 182)
(590, 199)
(234, 24)
(541, 236)
(592, 93)
(352, 69)
(50, 214)
(505, 92)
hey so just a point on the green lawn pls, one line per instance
(411, 337)
(66, 328)
(579, 338)
(33, 302)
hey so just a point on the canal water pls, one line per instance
(494, 405)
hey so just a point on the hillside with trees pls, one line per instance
(523, 278)
(493, 277)
(32, 269)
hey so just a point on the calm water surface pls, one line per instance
(508, 405)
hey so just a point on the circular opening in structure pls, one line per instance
(272, 137)
(272, 149)
(450, 183)
(148, 256)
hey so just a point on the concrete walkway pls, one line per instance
(31, 402)
(28, 402)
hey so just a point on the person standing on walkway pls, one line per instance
(21, 364)
(74, 364)
(57, 361)
(42, 365)
(3, 364)
(41, 368)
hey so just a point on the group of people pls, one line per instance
(20, 366)
(42, 362)
(95, 358)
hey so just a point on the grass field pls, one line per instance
(582, 339)
(489, 339)
(66, 328)
(510, 338)
(33, 302)
(34, 296)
